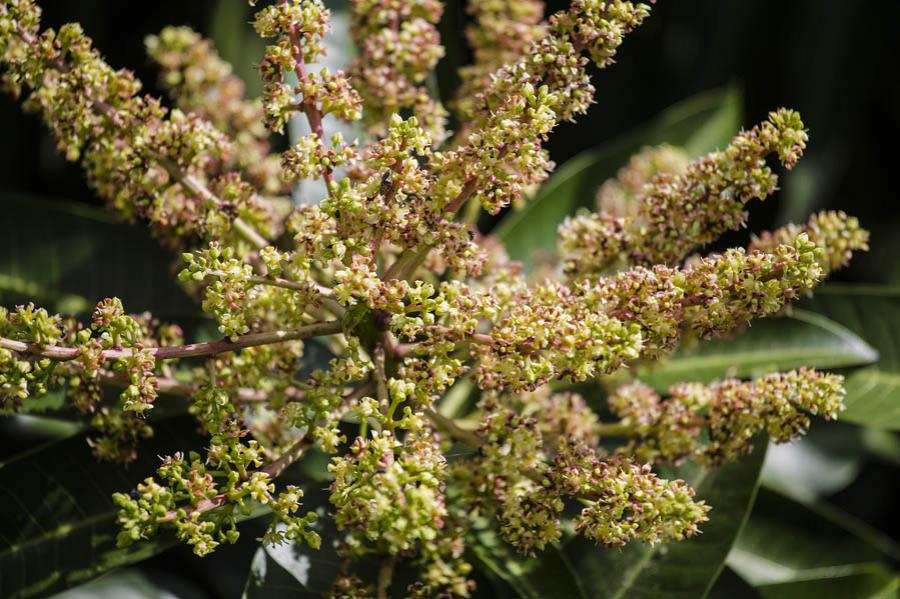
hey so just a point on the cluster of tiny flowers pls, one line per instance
(592, 328)
(501, 33)
(621, 500)
(117, 330)
(625, 500)
(399, 46)
(324, 402)
(119, 434)
(503, 155)
(560, 415)
(227, 295)
(506, 480)
(298, 28)
(21, 377)
(619, 196)
(591, 242)
(676, 212)
(240, 301)
(310, 158)
(388, 496)
(145, 160)
(837, 234)
(201, 83)
(131, 365)
(420, 315)
(391, 494)
(188, 491)
(730, 413)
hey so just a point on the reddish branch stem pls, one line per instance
(208, 348)
(176, 387)
(312, 112)
(273, 469)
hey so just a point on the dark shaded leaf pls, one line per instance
(731, 586)
(885, 445)
(66, 256)
(550, 574)
(237, 42)
(58, 528)
(786, 540)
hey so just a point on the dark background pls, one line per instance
(835, 61)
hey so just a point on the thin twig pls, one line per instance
(276, 468)
(208, 348)
(312, 112)
(173, 386)
(199, 189)
(454, 430)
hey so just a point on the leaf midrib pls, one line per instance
(731, 357)
(58, 532)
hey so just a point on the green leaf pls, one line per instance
(121, 584)
(295, 569)
(66, 257)
(549, 574)
(58, 527)
(874, 582)
(237, 42)
(823, 462)
(885, 445)
(700, 124)
(873, 313)
(683, 569)
(44, 428)
(785, 540)
(801, 339)
(731, 586)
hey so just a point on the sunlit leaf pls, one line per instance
(822, 462)
(873, 313)
(773, 344)
(871, 582)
